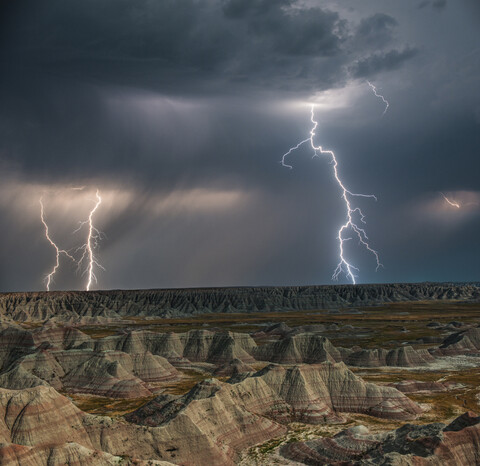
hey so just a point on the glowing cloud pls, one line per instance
(452, 203)
(468, 199)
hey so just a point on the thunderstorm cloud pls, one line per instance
(179, 113)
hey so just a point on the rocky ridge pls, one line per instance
(73, 306)
(410, 445)
(306, 393)
(313, 348)
(187, 429)
(464, 342)
(125, 365)
(66, 359)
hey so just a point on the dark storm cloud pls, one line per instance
(378, 62)
(376, 30)
(473, 6)
(67, 61)
(64, 61)
(243, 8)
(301, 32)
(180, 110)
(435, 4)
(195, 44)
(172, 38)
(439, 4)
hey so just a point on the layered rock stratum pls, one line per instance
(72, 307)
(211, 424)
(314, 394)
(71, 362)
(312, 348)
(126, 365)
(411, 445)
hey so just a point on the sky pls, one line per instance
(179, 111)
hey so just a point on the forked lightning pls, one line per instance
(58, 251)
(352, 213)
(93, 238)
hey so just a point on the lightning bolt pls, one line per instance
(93, 238)
(58, 251)
(385, 101)
(352, 213)
(452, 203)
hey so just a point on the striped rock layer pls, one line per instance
(209, 425)
(410, 445)
(77, 305)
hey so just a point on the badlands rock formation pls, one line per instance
(307, 348)
(67, 359)
(120, 366)
(304, 379)
(66, 454)
(275, 330)
(431, 444)
(314, 394)
(313, 348)
(464, 342)
(72, 307)
(415, 386)
(194, 346)
(232, 368)
(39, 421)
(124, 366)
(211, 424)
(404, 356)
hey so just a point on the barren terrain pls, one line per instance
(242, 376)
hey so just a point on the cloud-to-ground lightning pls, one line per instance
(58, 251)
(351, 212)
(380, 96)
(93, 238)
(452, 203)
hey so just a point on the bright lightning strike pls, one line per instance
(452, 203)
(93, 238)
(58, 251)
(385, 101)
(351, 212)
